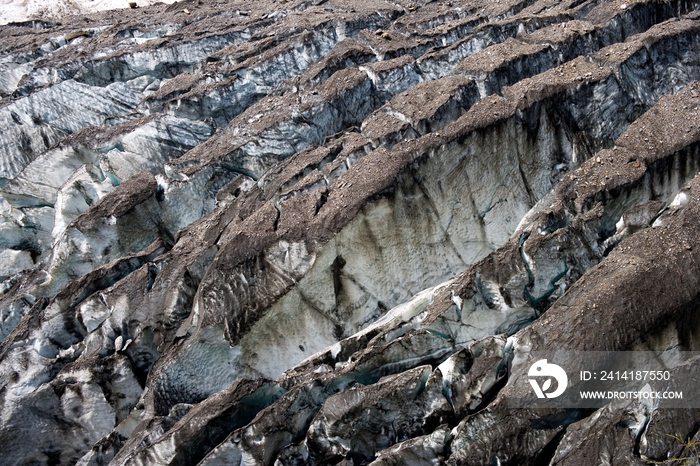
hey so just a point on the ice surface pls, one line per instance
(24, 10)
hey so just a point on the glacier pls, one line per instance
(299, 232)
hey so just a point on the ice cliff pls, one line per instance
(299, 232)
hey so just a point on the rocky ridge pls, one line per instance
(318, 232)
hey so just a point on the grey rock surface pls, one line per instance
(295, 232)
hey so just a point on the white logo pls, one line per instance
(542, 369)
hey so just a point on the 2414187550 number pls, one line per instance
(634, 375)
